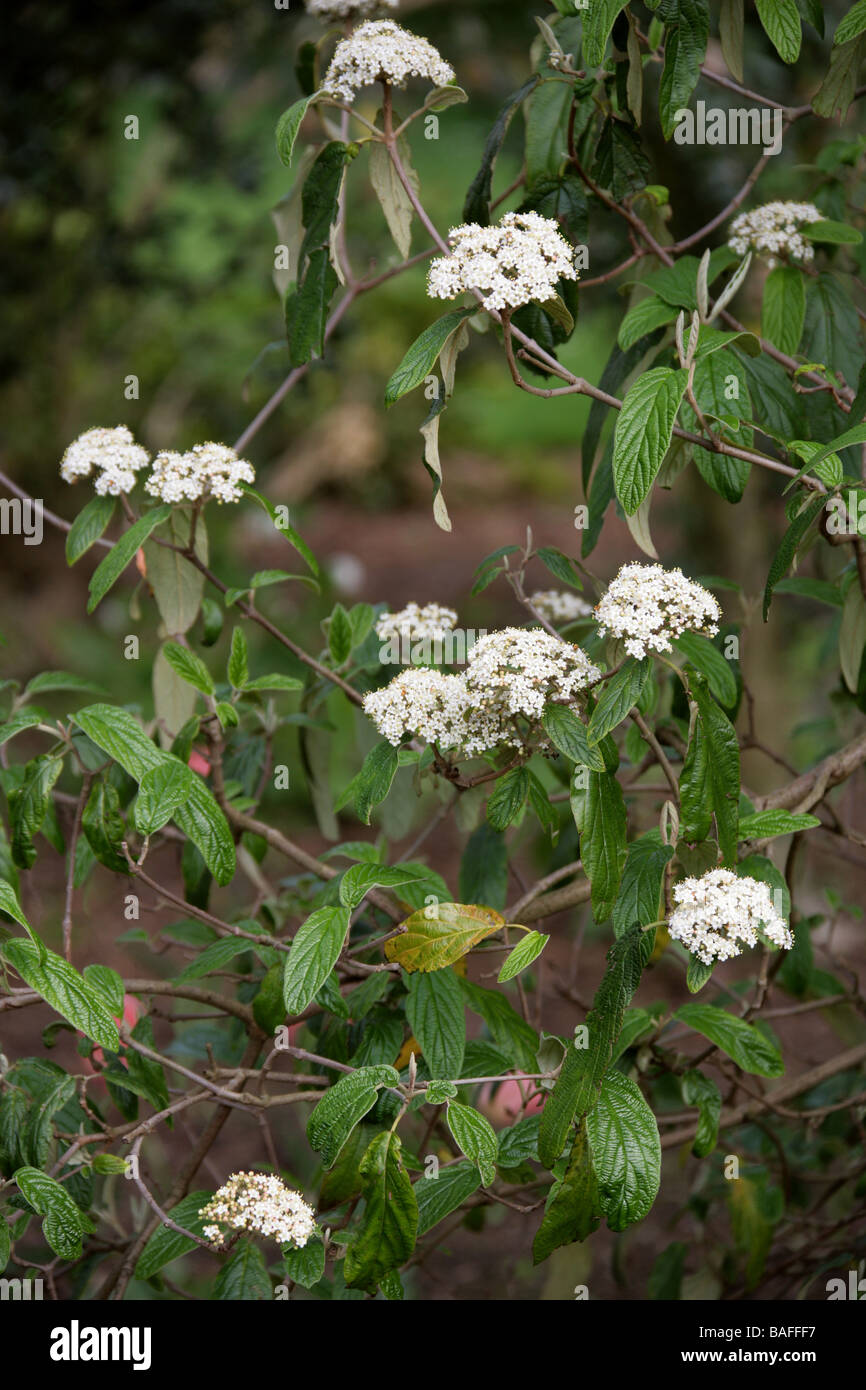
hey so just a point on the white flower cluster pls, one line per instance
(510, 675)
(774, 231)
(329, 10)
(559, 606)
(112, 452)
(513, 263)
(431, 623)
(382, 51)
(207, 470)
(647, 605)
(262, 1203)
(718, 913)
(422, 701)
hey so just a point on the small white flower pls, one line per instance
(560, 606)
(207, 470)
(718, 913)
(646, 606)
(112, 452)
(517, 261)
(382, 51)
(430, 623)
(329, 10)
(263, 1204)
(773, 231)
(427, 703)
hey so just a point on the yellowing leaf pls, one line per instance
(431, 942)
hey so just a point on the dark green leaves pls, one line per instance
(477, 205)
(306, 308)
(63, 1224)
(315, 949)
(569, 736)
(423, 354)
(506, 800)
(626, 1151)
(781, 20)
(573, 1211)
(88, 526)
(287, 129)
(440, 1195)
(784, 308)
(643, 433)
(685, 47)
(201, 820)
(120, 554)
(372, 784)
(528, 949)
(103, 826)
(160, 794)
(597, 24)
(583, 1068)
(640, 890)
(699, 1090)
(64, 989)
(617, 696)
(603, 833)
(791, 541)
(166, 1244)
(722, 766)
(386, 1238)
(707, 659)
(475, 1137)
(244, 1276)
(742, 1041)
(436, 1014)
(343, 1106)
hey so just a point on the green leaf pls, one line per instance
(111, 568)
(288, 126)
(766, 825)
(357, 881)
(316, 947)
(643, 433)
(423, 354)
(643, 318)
(24, 719)
(438, 935)
(749, 1048)
(620, 165)
(783, 311)
(189, 667)
(438, 1092)
(781, 20)
(528, 949)
(617, 696)
(306, 309)
(61, 986)
(343, 1106)
(161, 792)
(583, 1068)
(339, 635)
(707, 659)
(476, 207)
(790, 545)
(511, 1033)
(88, 526)
(698, 973)
(569, 736)
(731, 34)
(176, 583)
(722, 766)
(851, 24)
(238, 667)
(699, 1090)
(9, 904)
(165, 1244)
(484, 868)
(626, 1151)
(685, 49)
(603, 840)
(640, 889)
(118, 734)
(475, 1137)
(507, 798)
(546, 129)
(436, 1013)
(574, 1208)
(372, 784)
(391, 192)
(438, 1196)
(597, 24)
(305, 1265)
(836, 233)
(216, 956)
(244, 1277)
(64, 1224)
(389, 1224)
(29, 805)
(666, 1276)
(108, 984)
